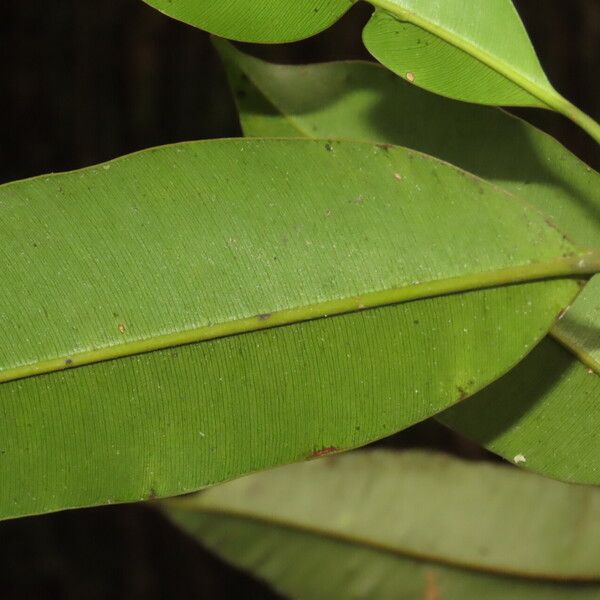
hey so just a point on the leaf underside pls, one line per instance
(104, 263)
(429, 62)
(371, 524)
(487, 58)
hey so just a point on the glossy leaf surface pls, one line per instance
(361, 101)
(412, 525)
(163, 276)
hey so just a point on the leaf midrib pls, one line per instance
(574, 265)
(364, 541)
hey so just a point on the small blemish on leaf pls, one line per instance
(121, 327)
(328, 147)
(410, 77)
(68, 362)
(398, 177)
(432, 591)
(264, 317)
(323, 452)
(519, 458)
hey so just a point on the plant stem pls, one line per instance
(578, 117)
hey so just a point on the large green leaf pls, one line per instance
(359, 101)
(213, 244)
(481, 56)
(403, 525)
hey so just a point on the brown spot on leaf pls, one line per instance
(264, 317)
(432, 591)
(462, 393)
(385, 147)
(68, 362)
(323, 452)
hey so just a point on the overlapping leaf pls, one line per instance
(403, 525)
(481, 56)
(362, 101)
(544, 415)
(476, 55)
(535, 412)
(140, 300)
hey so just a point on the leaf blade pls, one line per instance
(387, 504)
(262, 21)
(118, 430)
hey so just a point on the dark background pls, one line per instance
(87, 80)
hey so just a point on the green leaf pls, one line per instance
(185, 281)
(544, 414)
(481, 56)
(358, 101)
(476, 59)
(264, 21)
(403, 525)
